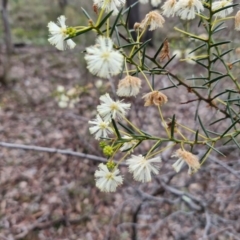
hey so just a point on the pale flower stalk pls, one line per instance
(107, 181)
(186, 9)
(188, 158)
(102, 60)
(143, 168)
(110, 5)
(101, 128)
(58, 34)
(237, 21)
(110, 109)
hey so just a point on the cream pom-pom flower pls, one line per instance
(58, 34)
(102, 59)
(107, 181)
(142, 168)
(101, 128)
(110, 5)
(169, 8)
(186, 9)
(109, 109)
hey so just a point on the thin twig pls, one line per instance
(52, 150)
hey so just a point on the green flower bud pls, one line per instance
(71, 32)
(108, 151)
(102, 144)
(111, 165)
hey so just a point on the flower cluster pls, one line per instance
(107, 110)
(187, 9)
(108, 58)
(142, 169)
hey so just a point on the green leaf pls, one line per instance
(196, 112)
(104, 19)
(205, 154)
(197, 78)
(213, 148)
(224, 53)
(85, 13)
(116, 129)
(234, 62)
(172, 126)
(217, 27)
(142, 46)
(230, 128)
(231, 138)
(128, 15)
(236, 142)
(115, 22)
(217, 134)
(203, 65)
(161, 89)
(143, 57)
(218, 120)
(168, 61)
(118, 38)
(157, 146)
(79, 33)
(199, 87)
(159, 49)
(126, 128)
(219, 43)
(221, 9)
(215, 79)
(194, 50)
(232, 100)
(196, 136)
(128, 45)
(170, 79)
(219, 73)
(202, 126)
(230, 113)
(153, 81)
(200, 22)
(127, 9)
